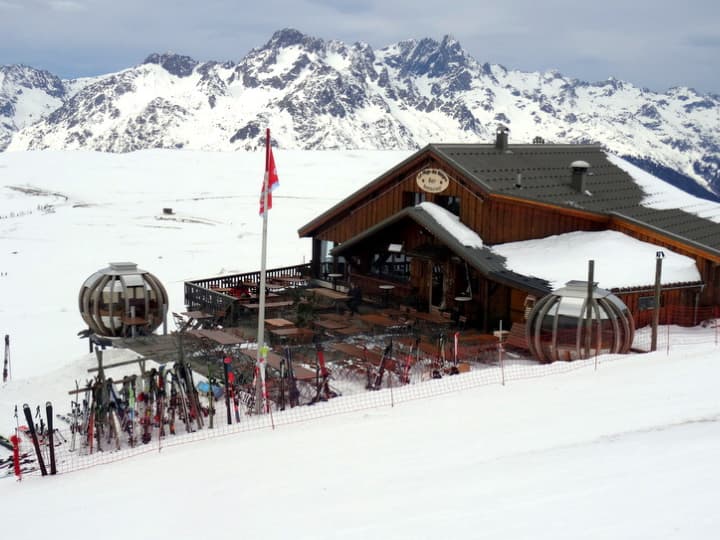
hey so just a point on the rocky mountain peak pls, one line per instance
(175, 64)
(289, 37)
(319, 94)
(22, 76)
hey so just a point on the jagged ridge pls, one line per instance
(318, 94)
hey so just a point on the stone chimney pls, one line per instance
(579, 174)
(501, 138)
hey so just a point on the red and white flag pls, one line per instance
(271, 177)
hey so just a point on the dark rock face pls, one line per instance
(175, 64)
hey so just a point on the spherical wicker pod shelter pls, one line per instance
(121, 299)
(558, 329)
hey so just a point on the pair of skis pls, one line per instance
(410, 360)
(440, 364)
(322, 377)
(375, 383)
(287, 373)
(36, 442)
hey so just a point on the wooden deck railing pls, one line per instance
(234, 280)
(200, 296)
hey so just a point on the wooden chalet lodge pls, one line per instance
(385, 240)
(382, 235)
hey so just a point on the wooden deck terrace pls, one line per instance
(332, 323)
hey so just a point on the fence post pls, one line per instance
(501, 348)
(392, 398)
(667, 325)
(596, 357)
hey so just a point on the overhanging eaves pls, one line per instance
(483, 259)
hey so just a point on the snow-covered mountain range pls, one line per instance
(318, 94)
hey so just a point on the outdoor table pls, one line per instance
(329, 325)
(334, 279)
(279, 323)
(270, 305)
(386, 288)
(335, 296)
(475, 336)
(462, 302)
(298, 281)
(294, 334)
(218, 336)
(427, 348)
(329, 293)
(433, 318)
(382, 321)
(374, 356)
(301, 373)
(194, 319)
(197, 315)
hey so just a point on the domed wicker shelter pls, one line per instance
(558, 329)
(121, 299)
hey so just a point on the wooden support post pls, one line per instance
(658, 290)
(101, 372)
(588, 309)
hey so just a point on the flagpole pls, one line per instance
(260, 384)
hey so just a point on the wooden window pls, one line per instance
(646, 303)
(450, 203)
(412, 198)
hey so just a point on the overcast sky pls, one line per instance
(650, 43)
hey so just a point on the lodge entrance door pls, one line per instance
(437, 285)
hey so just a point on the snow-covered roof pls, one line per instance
(663, 196)
(620, 261)
(451, 223)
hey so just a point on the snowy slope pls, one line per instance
(625, 452)
(329, 95)
(109, 207)
(628, 451)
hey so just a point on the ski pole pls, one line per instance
(226, 369)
